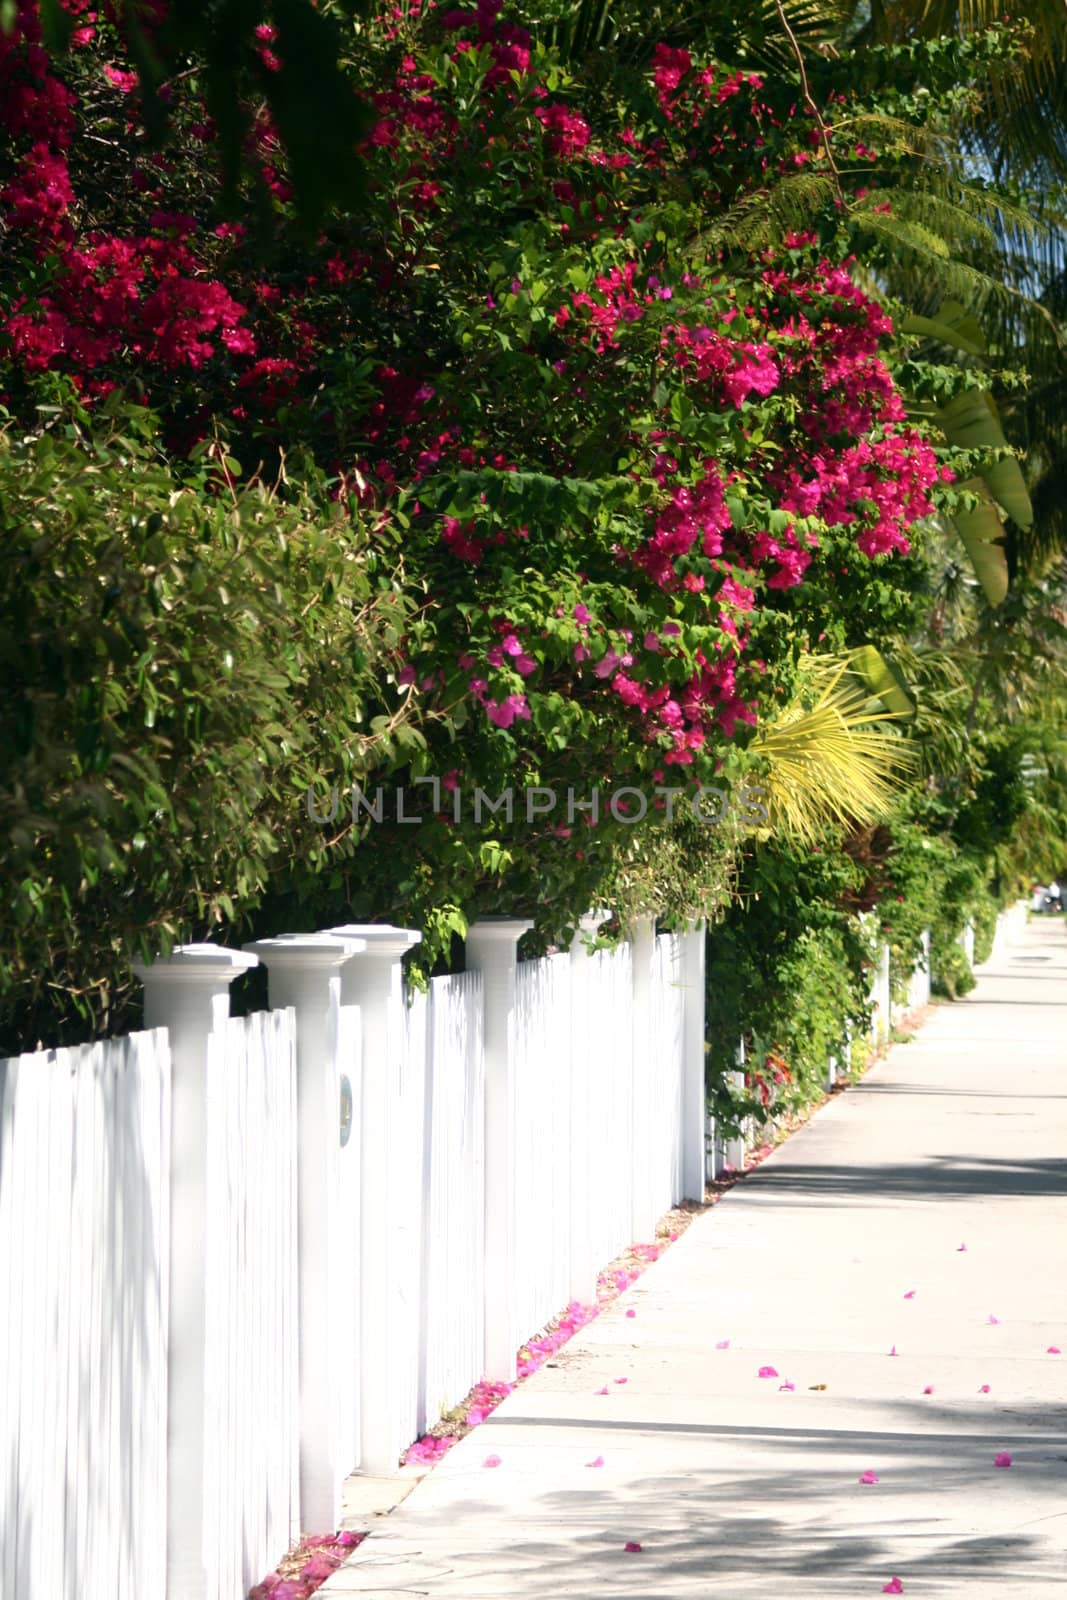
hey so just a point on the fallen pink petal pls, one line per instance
(894, 1586)
(1002, 1459)
(786, 1385)
(869, 1477)
(984, 1389)
(631, 1313)
(319, 1567)
(1053, 1350)
(621, 1380)
(893, 1351)
(604, 1390)
(723, 1344)
(598, 1461)
(929, 1389)
(768, 1372)
(632, 1546)
(994, 1320)
(960, 1247)
(491, 1461)
(910, 1294)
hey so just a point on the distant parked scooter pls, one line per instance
(1053, 898)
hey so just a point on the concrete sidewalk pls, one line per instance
(731, 1484)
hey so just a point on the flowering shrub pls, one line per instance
(670, 439)
(618, 470)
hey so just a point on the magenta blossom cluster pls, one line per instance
(143, 294)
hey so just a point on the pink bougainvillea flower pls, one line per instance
(598, 1461)
(786, 1385)
(893, 1351)
(768, 1372)
(604, 1390)
(631, 1312)
(984, 1389)
(929, 1389)
(491, 1461)
(723, 1344)
(994, 1321)
(1053, 1350)
(621, 1380)
(894, 1586)
(910, 1295)
(960, 1247)
(1002, 1459)
(869, 1477)
(632, 1546)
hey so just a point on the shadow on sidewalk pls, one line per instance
(936, 1176)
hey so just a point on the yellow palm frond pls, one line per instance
(828, 761)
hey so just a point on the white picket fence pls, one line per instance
(885, 1009)
(84, 1274)
(244, 1257)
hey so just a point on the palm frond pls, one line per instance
(762, 217)
(828, 760)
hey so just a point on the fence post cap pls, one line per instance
(305, 951)
(499, 929)
(377, 938)
(195, 963)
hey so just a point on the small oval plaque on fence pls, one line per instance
(346, 1110)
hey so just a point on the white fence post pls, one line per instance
(880, 998)
(491, 951)
(584, 1268)
(711, 1149)
(643, 1217)
(923, 987)
(734, 1149)
(187, 993)
(694, 1092)
(373, 981)
(303, 971)
(1010, 924)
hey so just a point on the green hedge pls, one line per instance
(178, 660)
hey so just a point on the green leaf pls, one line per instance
(981, 530)
(952, 325)
(681, 405)
(882, 680)
(57, 25)
(972, 422)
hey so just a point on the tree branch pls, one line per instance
(824, 132)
